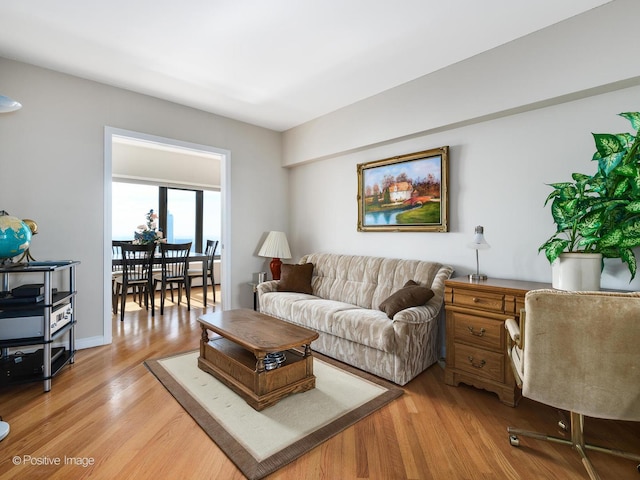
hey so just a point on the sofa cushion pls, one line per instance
(365, 327)
(411, 295)
(317, 313)
(296, 278)
(279, 304)
(345, 278)
(367, 281)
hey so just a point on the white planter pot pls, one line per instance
(577, 271)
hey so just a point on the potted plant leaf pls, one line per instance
(598, 215)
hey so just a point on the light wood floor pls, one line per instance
(107, 409)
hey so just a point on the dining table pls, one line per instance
(193, 257)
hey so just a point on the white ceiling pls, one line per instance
(273, 63)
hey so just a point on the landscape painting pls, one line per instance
(404, 193)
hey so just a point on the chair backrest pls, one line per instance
(137, 261)
(581, 352)
(210, 251)
(116, 252)
(175, 258)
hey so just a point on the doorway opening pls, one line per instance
(148, 161)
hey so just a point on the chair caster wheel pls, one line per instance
(515, 441)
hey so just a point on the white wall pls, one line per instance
(516, 118)
(498, 175)
(51, 170)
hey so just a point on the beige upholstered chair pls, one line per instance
(579, 351)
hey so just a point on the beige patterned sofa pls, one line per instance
(343, 308)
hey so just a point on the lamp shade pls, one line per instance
(479, 243)
(8, 105)
(275, 246)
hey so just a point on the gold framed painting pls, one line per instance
(408, 193)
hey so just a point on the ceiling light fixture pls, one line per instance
(8, 104)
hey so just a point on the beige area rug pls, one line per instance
(259, 443)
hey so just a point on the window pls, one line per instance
(181, 216)
(182, 212)
(130, 202)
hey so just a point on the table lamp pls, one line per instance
(277, 247)
(478, 243)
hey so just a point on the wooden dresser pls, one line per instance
(475, 334)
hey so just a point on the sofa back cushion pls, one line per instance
(368, 281)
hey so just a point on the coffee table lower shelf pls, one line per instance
(236, 367)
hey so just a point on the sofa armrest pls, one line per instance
(267, 287)
(421, 314)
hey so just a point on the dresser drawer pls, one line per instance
(492, 302)
(479, 362)
(478, 331)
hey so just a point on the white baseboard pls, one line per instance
(90, 342)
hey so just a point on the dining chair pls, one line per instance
(175, 265)
(137, 264)
(116, 272)
(578, 351)
(210, 252)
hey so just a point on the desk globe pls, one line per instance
(15, 236)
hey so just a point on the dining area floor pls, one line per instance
(133, 309)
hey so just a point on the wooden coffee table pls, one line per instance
(236, 356)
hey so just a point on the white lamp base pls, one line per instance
(4, 429)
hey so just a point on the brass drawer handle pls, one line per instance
(477, 334)
(476, 299)
(476, 365)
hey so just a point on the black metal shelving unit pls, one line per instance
(47, 361)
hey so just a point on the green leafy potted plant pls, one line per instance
(600, 214)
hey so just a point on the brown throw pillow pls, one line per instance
(411, 295)
(296, 278)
